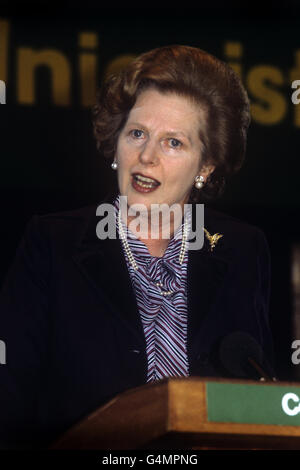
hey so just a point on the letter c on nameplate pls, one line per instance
(286, 404)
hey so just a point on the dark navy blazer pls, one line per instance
(70, 323)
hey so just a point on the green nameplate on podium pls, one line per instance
(260, 404)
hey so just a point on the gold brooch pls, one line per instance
(213, 239)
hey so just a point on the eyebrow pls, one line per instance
(176, 133)
(170, 133)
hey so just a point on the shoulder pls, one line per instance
(229, 223)
(63, 227)
(67, 217)
(232, 225)
(237, 234)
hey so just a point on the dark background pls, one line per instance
(49, 160)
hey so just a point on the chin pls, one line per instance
(146, 200)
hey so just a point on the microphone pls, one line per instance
(243, 357)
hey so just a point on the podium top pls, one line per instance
(197, 410)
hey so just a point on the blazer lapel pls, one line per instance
(206, 272)
(104, 266)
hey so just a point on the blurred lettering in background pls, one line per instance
(265, 82)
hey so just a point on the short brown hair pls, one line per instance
(195, 74)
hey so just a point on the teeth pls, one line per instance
(143, 185)
(145, 179)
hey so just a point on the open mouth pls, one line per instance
(143, 183)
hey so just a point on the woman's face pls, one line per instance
(159, 150)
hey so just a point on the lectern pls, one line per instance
(193, 413)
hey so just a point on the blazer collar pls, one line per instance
(104, 266)
(206, 273)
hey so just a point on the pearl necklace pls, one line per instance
(131, 257)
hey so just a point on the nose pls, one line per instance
(149, 154)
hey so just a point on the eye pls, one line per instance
(175, 143)
(137, 133)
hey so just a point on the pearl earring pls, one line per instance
(199, 181)
(114, 165)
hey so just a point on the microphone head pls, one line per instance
(235, 351)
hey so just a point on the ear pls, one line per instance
(206, 170)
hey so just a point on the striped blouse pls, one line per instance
(164, 317)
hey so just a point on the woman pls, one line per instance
(85, 316)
